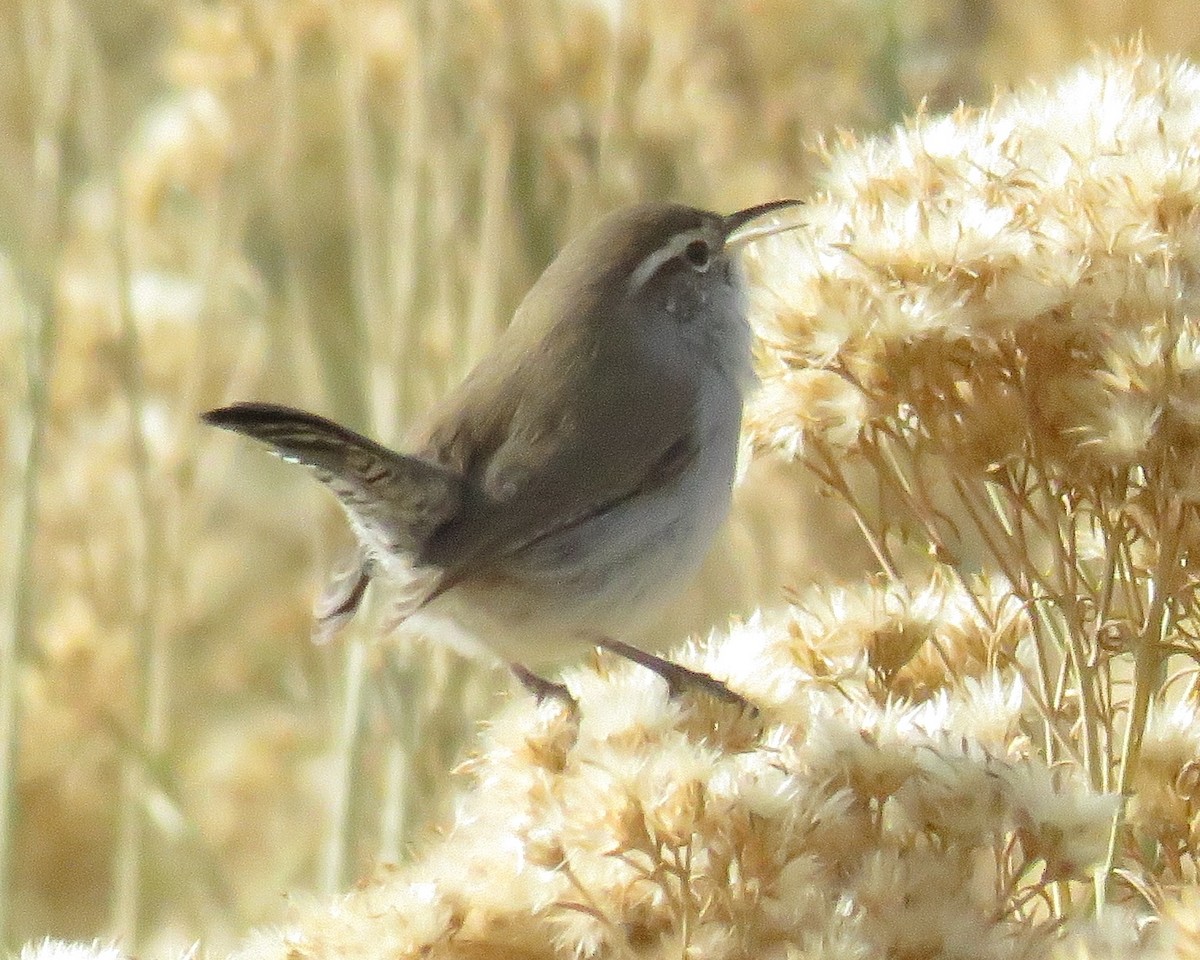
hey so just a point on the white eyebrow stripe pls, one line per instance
(649, 267)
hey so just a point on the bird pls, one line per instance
(575, 479)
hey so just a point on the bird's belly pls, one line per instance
(607, 574)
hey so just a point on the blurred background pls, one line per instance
(337, 204)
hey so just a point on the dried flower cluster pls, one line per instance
(995, 317)
(844, 820)
(1015, 283)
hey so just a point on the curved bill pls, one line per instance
(738, 219)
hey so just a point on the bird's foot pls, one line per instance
(542, 688)
(678, 678)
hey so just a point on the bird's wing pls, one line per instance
(539, 463)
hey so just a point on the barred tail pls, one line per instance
(395, 502)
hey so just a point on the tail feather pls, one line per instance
(395, 502)
(340, 599)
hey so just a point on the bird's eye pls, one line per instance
(697, 254)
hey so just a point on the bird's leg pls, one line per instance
(542, 688)
(678, 678)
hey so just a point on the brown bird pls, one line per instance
(575, 479)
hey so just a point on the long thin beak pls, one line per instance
(740, 218)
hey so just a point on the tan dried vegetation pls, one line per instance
(983, 350)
